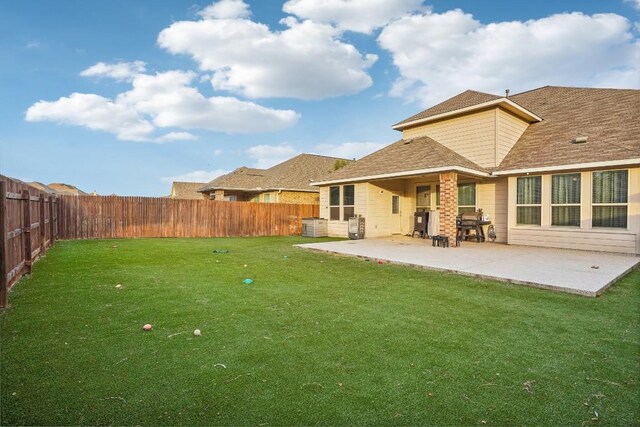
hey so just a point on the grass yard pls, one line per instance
(315, 339)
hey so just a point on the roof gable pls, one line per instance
(467, 98)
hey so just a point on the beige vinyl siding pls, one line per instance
(590, 240)
(378, 210)
(472, 136)
(509, 129)
(491, 197)
(340, 228)
(584, 237)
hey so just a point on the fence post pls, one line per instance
(26, 230)
(43, 230)
(52, 235)
(3, 245)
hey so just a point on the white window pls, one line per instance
(565, 200)
(466, 198)
(529, 200)
(609, 200)
(344, 204)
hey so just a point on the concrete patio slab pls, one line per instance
(579, 272)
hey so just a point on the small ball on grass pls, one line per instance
(197, 332)
(147, 327)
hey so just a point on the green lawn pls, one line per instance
(315, 339)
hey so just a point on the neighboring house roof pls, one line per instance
(295, 174)
(186, 190)
(609, 118)
(66, 189)
(557, 115)
(406, 157)
(243, 178)
(42, 187)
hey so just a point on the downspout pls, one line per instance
(278, 196)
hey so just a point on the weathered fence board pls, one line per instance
(27, 229)
(100, 217)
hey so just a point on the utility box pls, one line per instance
(356, 228)
(314, 227)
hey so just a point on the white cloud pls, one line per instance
(635, 3)
(94, 112)
(176, 136)
(217, 152)
(362, 16)
(348, 150)
(264, 156)
(163, 100)
(118, 71)
(172, 102)
(307, 60)
(226, 9)
(195, 176)
(440, 55)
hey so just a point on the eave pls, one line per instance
(504, 103)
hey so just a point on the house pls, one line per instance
(186, 190)
(41, 187)
(66, 189)
(287, 182)
(554, 167)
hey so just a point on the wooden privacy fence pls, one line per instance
(101, 217)
(27, 228)
(31, 221)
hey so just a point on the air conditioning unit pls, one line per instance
(314, 227)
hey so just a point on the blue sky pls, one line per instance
(123, 97)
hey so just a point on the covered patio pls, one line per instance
(579, 272)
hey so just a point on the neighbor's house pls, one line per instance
(58, 188)
(555, 166)
(287, 182)
(186, 190)
(42, 187)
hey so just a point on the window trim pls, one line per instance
(598, 227)
(559, 205)
(475, 197)
(529, 205)
(341, 203)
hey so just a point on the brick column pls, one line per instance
(448, 205)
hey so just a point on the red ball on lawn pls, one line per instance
(147, 327)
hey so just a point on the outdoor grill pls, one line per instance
(468, 222)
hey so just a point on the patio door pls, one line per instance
(396, 216)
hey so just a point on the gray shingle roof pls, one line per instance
(294, 174)
(186, 190)
(467, 98)
(609, 118)
(66, 189)
(404, 156)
